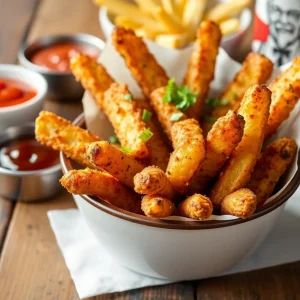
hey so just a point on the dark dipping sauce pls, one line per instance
(57, 57)
(26, 154)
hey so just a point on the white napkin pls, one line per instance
(94, 271)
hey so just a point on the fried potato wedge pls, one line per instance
(142, 64)
(92, 75)
(164, 111)
(256, 69)
(61, 135)
(221, 141)
(103, 185)
(115, 161)
(285, 95)
(157, 206)
(236, 174)
(188, 155)
(152, 180)
(241, 203)
(196, 207)
(273, 162)
(201, 67)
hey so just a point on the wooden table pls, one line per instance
(31, 265)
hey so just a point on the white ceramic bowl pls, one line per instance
(29, 110)
(177, 250)
(230, 43)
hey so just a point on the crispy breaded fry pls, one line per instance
(196, 207)
(152, 180)
(157, 206)
(92, 76)
(256, 69)
(236, 174)
(103, 185)
(61, 135)
(285, 94)
(143, 65)
(273, 162)
(241, 203)
(201, 66)
(126, 118)
(188, 155)
(116, 162)
(164, 111)
(223, 11)
(221, 141)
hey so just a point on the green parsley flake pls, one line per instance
(209, 119)
(180, 95)
(127, 97)
(146, 115)
(146, 135)
(113, 139)
(214, 102)
(127, 150)
(176, 116)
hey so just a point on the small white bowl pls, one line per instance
(177, 250)
(29, 110)
(230, 43)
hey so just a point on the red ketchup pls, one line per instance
(26, 154)
(13, 92)
(57, 57)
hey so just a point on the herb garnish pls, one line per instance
(146, 135)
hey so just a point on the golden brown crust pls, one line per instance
(221, 141)
(273, 162)
(61, 135)
(143, 65)
(285, 95)
(164, 111)
(196, 207)
(188, 155)
(201, 67)
(152, 180)
(116, 162)
(236, 174)
(241, 203)
(103, 185)
(157, 207)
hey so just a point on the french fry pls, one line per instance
(196, 207)
(127, 23)
(115, 161)
(103, 185)
(172, 40)
(236, 174)
(273, 162)
(201, 66)
(92, 76)
(149, 6)
(61, 135)
(180, 7)
(164, 111)
(152, 180)
(256, 69)
(169, 7)
(221, 141)
(146, 33)
(144, 67)
(224, 11)
(285, 95)
(188, 155)
(229, 26)
(157, 206)
(193, 14)
(241, 203)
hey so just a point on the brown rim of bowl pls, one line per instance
(112, 210)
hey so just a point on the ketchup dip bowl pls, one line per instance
(177, 250)
(26, 111)
(62, 85)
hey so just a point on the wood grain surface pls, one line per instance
(31, 265)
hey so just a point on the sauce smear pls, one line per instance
(13, 92)
(26, 154)
(57, 57)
